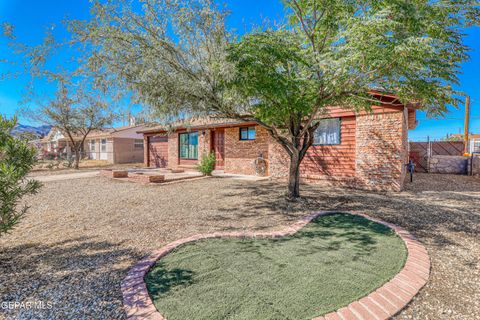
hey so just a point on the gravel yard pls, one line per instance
(81, 236)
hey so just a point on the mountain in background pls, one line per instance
(40, 131)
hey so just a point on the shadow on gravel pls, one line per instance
(419, 210)
(70, 274)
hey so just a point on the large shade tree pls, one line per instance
(179, 57)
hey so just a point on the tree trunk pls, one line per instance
(294, 177)
(77, 159)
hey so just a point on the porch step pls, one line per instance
(187, 167)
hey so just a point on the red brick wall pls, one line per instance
(124, 151)
(334, 160)
(335, 163)
(173, 150)
(145, 151)
(381, 151)
(240, 155)
(204, 143)
(412, 119)
(371, 155)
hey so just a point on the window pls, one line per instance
(476, 146)
(189, 145)
(104, 145)
(247, 133)
(92, 145)
(138, 144)
(328, 132)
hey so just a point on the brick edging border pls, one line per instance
(383, 303)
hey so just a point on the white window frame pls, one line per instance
(138, 143)
(103, 145)
(476, 146)
(92, 145)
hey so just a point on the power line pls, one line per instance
(433, 119)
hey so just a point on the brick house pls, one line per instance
(365, 150)
(116, 145)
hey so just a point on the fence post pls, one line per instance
(429, 153)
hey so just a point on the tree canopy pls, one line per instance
(179, 57)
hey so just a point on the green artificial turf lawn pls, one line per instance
(334, 260)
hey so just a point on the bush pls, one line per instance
(16, 160)
(207, 164)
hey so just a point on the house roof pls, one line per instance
(53, 131)
(193, 123)
(111, 131)
(394, 100)
(470, 136)
(211, 122)
(93, 134)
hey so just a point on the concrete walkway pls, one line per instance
(222, 174)
(66, 176)
(168, 175)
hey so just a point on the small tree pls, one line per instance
(75, 115)
(79, 104)
(178, 56)
(16, 160)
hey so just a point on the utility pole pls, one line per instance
(467, 122)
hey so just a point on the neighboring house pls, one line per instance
(364, 150)
(56, 142)
(473, 141)
(116, 145)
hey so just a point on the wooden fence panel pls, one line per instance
(447, 148)
(421, 151)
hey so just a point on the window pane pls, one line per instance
(243, 133)
(192, 152)
(328, 132)
(183, 145)
(193, 138)
(183, 138)
(189, 145)
(183, 151)
(138, 144)
(251, 133)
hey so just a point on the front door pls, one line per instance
(218, 147)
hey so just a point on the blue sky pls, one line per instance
(32, 17)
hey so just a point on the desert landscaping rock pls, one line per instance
(82, 236)
(145, 178)
(110, 173)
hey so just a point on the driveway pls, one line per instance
(66, 176)
(80, 236)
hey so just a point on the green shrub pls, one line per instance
(16, 160)
(207, 164)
